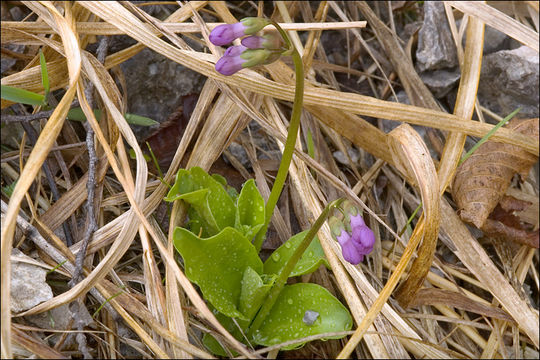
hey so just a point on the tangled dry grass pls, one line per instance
(457, 299)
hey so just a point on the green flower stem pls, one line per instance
(291, 139)
(288, 268)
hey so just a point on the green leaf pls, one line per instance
(44, 73)
(183, 184)
(77, 114)
(230, 190)
(206, 195)
(133, 156)
(310, 261)
(139, 120)
(217, 264)
(8, 189)
(213, 345)
(250, 210)
(254, 291)
(285, 321)
(22, 96)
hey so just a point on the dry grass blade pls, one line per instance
(383, 295)
(250, 80)
(418, 159)
(485, 312)
(93, 28)
(412, 157)
(34, 345)
(478, 262)
(303, 183)
(34, 162)
(499, 21)
(135, 191)
(466, 97)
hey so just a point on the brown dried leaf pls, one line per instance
(482, 180)
(433, 296)
(164, 141)
(503, 224)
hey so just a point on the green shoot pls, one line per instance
(56, 267)
(156, 164)
(488, 135)
(77, 114)
(106, 301)
(22, 96)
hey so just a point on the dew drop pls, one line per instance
(288, 245)
(310, 253)
(276, 257)
(290, 301)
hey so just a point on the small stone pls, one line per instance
(59, 318)
(440, 82)
(436, 48)
(509, 80)
(341, 158)
(239, 153)
(28, 286)
(310, 317)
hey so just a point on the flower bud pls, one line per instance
(235, 50)
(253, 24)
(270, 41)
(225, 34)
(228, 65)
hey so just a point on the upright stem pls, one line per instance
(290, 142)
(288, 268)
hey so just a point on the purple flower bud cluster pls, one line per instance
(255, 50)
(354, 244)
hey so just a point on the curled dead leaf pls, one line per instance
(434, 296)
(483, 179)
(505, 225)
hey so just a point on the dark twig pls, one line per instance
(9, 119)
(92, 164)
(91, 216)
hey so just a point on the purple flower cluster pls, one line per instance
(357, 243)
(255, 50)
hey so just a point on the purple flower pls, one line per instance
(364, 238)
(351, 252)
(357, 220)
(356, 244)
